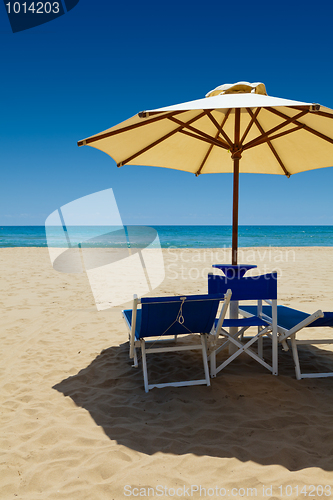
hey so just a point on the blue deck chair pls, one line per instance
(254, 288)
(163, 317)
(289, 323)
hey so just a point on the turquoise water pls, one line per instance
(176, 236)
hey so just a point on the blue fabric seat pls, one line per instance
(128, 316)
(164, 317)
(289, 318)
(289, 322)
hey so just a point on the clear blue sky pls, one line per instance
(104, 61)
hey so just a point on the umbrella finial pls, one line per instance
(239, 88)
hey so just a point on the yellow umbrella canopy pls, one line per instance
(236, 128)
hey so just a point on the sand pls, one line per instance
(76, 423)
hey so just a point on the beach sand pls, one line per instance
(76, 423)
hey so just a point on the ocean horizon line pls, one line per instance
(175, 236)
(176, 225)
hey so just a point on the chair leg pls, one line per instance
(212, 359)
(135, 361)
(296, 358)
(275, 347)
(213, 365)
(204, 357)
(285, 346)
(135, 357)
(260, 344)
(144, 365)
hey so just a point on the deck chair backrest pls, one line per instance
(178, 315)
(262, 287)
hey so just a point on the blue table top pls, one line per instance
(234, 271)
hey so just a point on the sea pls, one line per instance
(169, 236)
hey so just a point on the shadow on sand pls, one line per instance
(246, 413)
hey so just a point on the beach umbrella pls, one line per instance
(235, 128)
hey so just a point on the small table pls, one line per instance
(234, 271)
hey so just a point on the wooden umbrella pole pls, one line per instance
(236, 156)
(235, 212)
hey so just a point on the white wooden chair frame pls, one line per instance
(134, 344)
(285, 335)
(270, 330)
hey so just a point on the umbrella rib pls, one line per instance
(125, 129)
(143, 150)
(306, 127)
(271, 147)
(301, 107)
(323, 113)
(264, 137)
(220, 127)
(314, 108)
(250, 124)
(286, 132)
(198, 172)
(199, 132)
(210, 140)
(262, 140)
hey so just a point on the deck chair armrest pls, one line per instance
(223, 314)
(307, 321)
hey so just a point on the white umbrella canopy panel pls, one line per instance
(238, 122)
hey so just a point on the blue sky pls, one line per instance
(104, 61)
